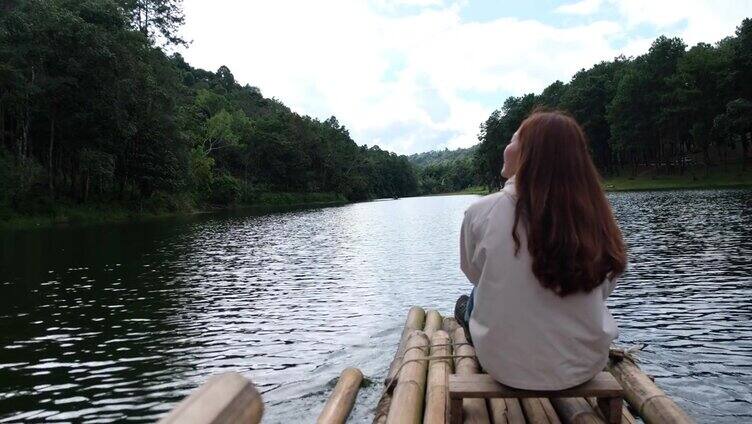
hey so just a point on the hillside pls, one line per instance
(435, 157)
(445, 171)
(115, 123)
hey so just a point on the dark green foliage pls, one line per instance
(443, 171)
(436, 157)
(586, 98)
(156, 18)
(742, 59)
(92, 111)
(225, 190)
(447, 177)
(662, 110)
(739, 118)
(496, 133)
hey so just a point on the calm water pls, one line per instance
(112, 322)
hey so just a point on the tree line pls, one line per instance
(92, 110)
(667, 110)
(445, 171)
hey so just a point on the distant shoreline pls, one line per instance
(114, 214)
(693, 179)
(105, 214)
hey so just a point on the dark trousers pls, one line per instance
(462, 310)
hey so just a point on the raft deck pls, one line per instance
(432, 348)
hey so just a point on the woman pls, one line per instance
(543, 254)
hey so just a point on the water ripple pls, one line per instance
(101, 324)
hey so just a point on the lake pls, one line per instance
(104, 323)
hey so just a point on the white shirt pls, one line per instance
(525, 335)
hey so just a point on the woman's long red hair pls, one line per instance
(572, 235)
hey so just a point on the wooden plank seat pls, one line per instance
(603, 387)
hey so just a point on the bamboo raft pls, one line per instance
(420, 392)
(433, 354)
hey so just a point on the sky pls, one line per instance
(419, 75)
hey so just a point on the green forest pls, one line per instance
(446, 171)
(94, 112)
(670, 110)
(96, 115)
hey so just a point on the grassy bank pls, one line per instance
(297, 199)
(693, 178)
(718, 177)
(480, 190)
(73, 214)
(64, 214)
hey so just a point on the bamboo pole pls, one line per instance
(433, 322)
(415, 319)
(651, 403)
(225, 398)
(474, 410)
(340, 403)
(437, 389)
(506, 411)
(539, 411)
(449, 325)
(626, 416)
(408, 396)
(576, 411)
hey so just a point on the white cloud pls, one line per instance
(582, 7)
(699, 20)
(398, 81)
(636, 46)
(391, 4)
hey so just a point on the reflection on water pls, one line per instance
(110, 322)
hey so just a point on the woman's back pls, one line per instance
(544, 254)
(525, 335)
